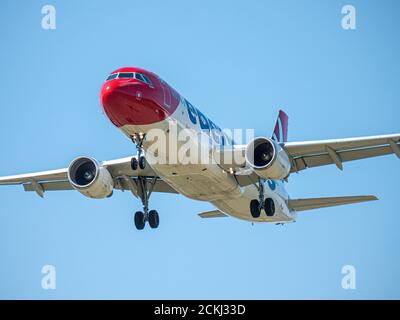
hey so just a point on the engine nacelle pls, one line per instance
(268, 159)
(89, 178)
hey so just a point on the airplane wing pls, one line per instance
(124, 178)
(310, 154)
(316, 203)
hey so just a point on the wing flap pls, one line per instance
(317, 160)
(160, 186)
(130, 183)
(316, 203)
(49, 186)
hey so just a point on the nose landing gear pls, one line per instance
(140, 161)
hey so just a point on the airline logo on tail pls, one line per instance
(281, 128)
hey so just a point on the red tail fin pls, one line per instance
(281, 128)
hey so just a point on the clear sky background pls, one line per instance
(239, 62)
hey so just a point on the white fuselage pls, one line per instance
(208, 182)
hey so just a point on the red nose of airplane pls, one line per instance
(130, 102)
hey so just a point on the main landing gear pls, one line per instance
(256, 206)
(145, 187)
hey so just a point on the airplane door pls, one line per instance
(167, 94)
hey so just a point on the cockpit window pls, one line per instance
(147, 80)
(129, 75)
(125, 75)
(143, 78)
(112, 76)
(139, 77)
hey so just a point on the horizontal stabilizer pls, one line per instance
(315, 203)
(212, 214)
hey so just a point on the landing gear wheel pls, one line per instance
(134, 164)
(138, 139)
(144, 189)
(255, 208)
(142, 162)
(139, 220)
(269, 207)
(154, 219)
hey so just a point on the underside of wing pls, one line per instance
(120, 170)
(316, 203)
(40, 181)
(311, 154)
(51, 175)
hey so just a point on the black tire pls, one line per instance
(269, 207)
(154, 219)
(139, 220)
(142, 162)
(134, 164)
(255, 208)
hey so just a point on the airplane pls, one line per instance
(251, 187)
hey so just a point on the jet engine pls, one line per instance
(91, 179)
(268, 159)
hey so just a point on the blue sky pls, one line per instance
(239, 62)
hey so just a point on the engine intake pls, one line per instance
(268, 159)
(89, 178)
